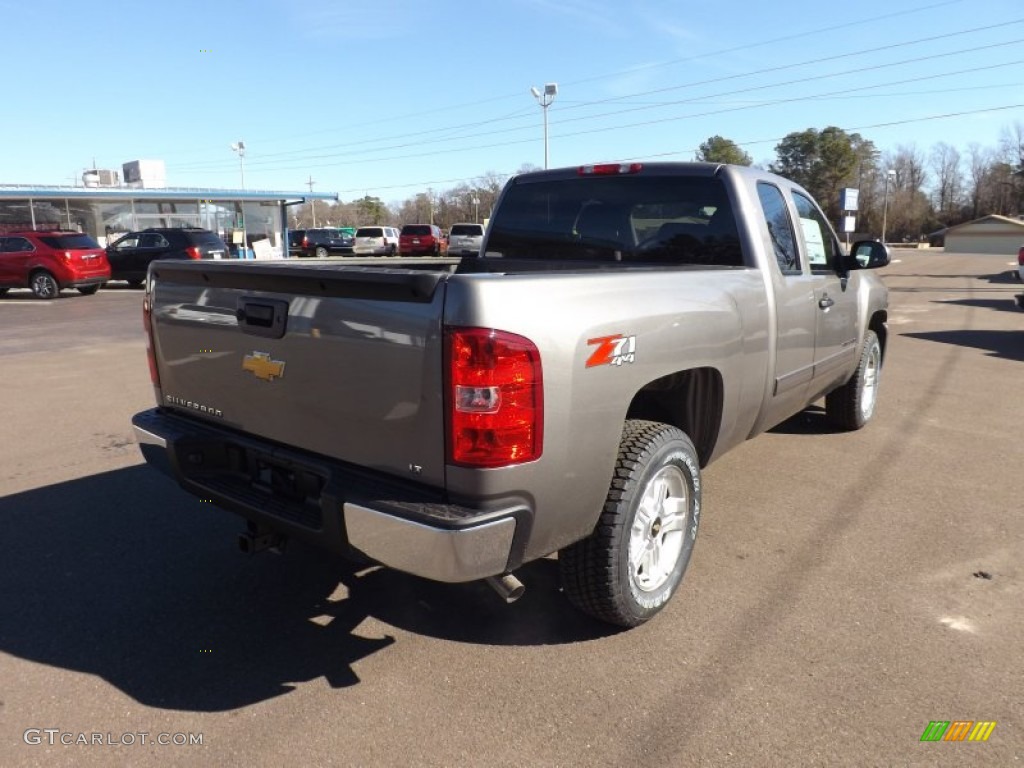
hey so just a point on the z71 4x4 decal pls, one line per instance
(612, 350)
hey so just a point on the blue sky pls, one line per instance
(390, 97)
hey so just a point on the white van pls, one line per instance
(376, 241)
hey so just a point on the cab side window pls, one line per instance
(820, 243)
(780, 228)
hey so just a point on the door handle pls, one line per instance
(825, 302)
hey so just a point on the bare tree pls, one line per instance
(910, 214)
(945, 162)
(978, 161)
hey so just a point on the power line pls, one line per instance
(872, 51)
(361, 156)
(693, 150)
(476, 103)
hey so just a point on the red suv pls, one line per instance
(421, 238)
(46, 262)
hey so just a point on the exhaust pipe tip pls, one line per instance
(508, 587)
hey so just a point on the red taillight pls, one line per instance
(609, 169)
(193, 252)
(495, 398)
(305, 242)
(147, 323)
(1020, 257)
(67, 255)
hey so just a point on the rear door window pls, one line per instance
(70, 242)
(780, 228)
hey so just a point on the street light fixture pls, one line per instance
(890, 174)
(544, 98)
(476, 210)
(239, 147)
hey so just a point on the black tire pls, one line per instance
(4, 289)
(44, 285)
(135, 283)
(393, 249)
(599, 574)
(322, 252)
(88, 290)
(853, 404)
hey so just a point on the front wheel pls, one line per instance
(852, 405)
(628, 568)
(44, 285)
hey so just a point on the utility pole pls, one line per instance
(312, 202)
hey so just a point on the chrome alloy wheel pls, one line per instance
(869, 393)
(657, 534)
(44, 286)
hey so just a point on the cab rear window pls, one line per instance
(637, 219)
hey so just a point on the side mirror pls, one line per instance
(867, 254)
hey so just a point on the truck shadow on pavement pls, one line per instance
(1008, 304)
(1005, 344)
(810, 421)
(124, 576)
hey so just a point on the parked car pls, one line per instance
(1020, 264)
(325, 241)
(465, 239)
(130, 255)
(47, 262)
(376, 241)
(421, 239)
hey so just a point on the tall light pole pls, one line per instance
(890, 174)
(312, 202)
(239, 147)
(476, 210)
(544, 99)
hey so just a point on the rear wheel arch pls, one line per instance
(690, 400)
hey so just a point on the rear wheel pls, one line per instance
(4, 289)
(44, 285)
(88, 290)
(852, 405)
(632, 563)
(321, 252)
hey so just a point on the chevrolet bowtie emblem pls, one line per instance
(260, 364)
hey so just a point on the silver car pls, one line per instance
(465, 239)
(376, 241)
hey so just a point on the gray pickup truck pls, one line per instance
(622, 327)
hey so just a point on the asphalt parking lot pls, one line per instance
(846, 588)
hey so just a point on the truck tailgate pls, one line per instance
(344, 361)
